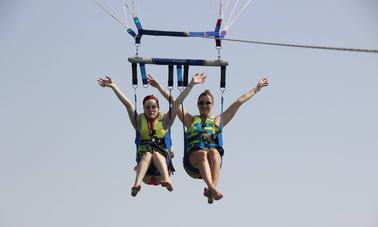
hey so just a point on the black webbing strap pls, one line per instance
(223, 77)
(134, 74)
(186, 75)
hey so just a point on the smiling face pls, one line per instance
(151, 107)
(205, 105)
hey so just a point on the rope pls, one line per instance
(183, 125)
(111, 12)
(212, 8)
(229, 24)
(170, 112)
(131, 10)
(222, 104)
(298, 45)
(135, 111)
(232, 12)
(124, 11)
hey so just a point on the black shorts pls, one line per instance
(191, 170)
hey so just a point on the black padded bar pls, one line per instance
(134, 73)
(163, 33)
(186, 75)
(170, 75)
(167, 61)
(223, 77)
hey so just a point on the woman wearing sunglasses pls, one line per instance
(152, 126)
(203, 155)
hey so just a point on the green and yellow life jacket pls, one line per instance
(203, 133)
(153, 137)
(148, 133)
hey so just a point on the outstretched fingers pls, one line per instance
(152, 81)
(199, 78)
(264, 82)
(103, 82)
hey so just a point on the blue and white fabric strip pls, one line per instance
(143, 73)
(212, 34)
(131, 32)
(137, 23)
(179, 76)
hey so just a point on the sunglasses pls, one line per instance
(204, 103)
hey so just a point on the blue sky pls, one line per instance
(302, 152)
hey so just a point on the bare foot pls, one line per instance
(167, 185)
(215, 194)
(135, 190)
(207, 194)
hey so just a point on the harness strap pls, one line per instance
(186, 75)
(134, 74)
(222, 88)
(179, 76)
(143, 74)
(137, 23)
(131, 32)
(218, 42)
(137, 134)
(151, 127)
(205, 137)
(183, 128)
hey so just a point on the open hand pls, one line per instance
(263, 82)
(105, 82)
(151, 81)
(199, 78)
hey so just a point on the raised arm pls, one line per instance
(156, 84)
(199, 78)
(177, 107)
(178, 110)
(230, 112)
(107, 82)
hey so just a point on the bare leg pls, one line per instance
(161, 164)
(199, 160)
(215, 162)
(143, 165)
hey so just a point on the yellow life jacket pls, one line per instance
(148, 132)
(153, 138)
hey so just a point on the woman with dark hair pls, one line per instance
(203, 155)
(152, 126)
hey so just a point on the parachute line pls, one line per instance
(229, 24)
(212, 8)
(232, 12)
(111, 12)
(299, 45)
(132, 9)
(124, 10)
